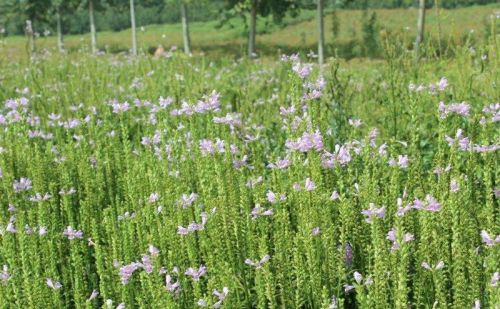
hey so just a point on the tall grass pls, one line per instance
(183, 182)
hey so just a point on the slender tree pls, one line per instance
(252, 29)
(321, 32)
(60, 38)
(132, 24)
(185, 27)
(93, 38)
(253, 8)
(420, 28)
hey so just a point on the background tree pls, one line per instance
(93, 35)
(132, 25)
(253, 8)
(61, 8)
(31, 13)
(321, 32)
(185, 27)
(420, 28)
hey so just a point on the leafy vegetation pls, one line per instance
(181, 181)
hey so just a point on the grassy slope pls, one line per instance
(296, 34)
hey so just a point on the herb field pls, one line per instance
(183, 182)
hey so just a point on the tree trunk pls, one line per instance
(60, 38)
(132, 24)
(93, 39)
(185, 28)
(321, 32)
(420, 28)
(436, 5)
(31, 38)
(252, 30)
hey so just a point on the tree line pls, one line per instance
(29, 17)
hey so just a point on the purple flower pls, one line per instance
(53, 285)
(307, 142)
(391, 235)
(196, 274)
(128, 270)
(70, 191)
(442, 84)
(147, 265)
(187, 200)
(182, 230)
(71, 233)
(403, 161)
(462, 109)
(396, 244)
(42, 230)
(316, 231)
(10, 226)
(487, 240)
(11, 208)
(430, 204)
(494, 279)
(349, 255)
(193, 226)
(153, 197)
(126, 215)
(454, 186)
(403, 210)
(165, 102)
(172, 287)
(153, 250)
(258, 211)
(477, 304)
(22, 184)
(5, 275)
(334, 303)
(355, 122)
(258, 264)
(221, 296)
(309, 184)
(39, 198)
(348, 288)
(373, 212)
(94, 295)
(460, 140)
(439, 266)
(231, 119)
(207, 147)
(286, 111)
(335, 196)
(340, 156)
(119, 108)
(358, 277)
(201, 302)
(302, 69)
(271, 197)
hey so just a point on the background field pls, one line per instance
(295, 35)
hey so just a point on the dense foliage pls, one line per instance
(180, 182)
(113, 15)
